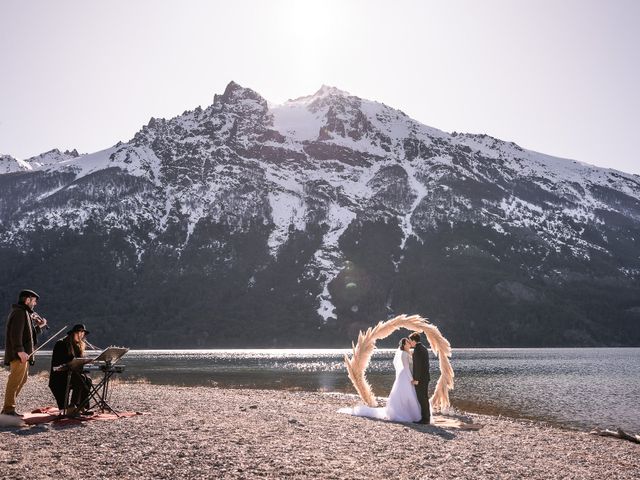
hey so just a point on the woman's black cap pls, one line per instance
(78, 328)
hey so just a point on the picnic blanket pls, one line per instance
(52, 415)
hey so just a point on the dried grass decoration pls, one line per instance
(359, 361)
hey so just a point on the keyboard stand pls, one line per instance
(98, 393)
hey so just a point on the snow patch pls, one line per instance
(421, 191)
(287, 211)
(297, 122)
(328, 256)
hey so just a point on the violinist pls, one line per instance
(23, 327)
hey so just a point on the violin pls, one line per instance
(40, 321)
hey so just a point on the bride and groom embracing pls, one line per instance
(408, 400)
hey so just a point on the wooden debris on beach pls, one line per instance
(617, 434)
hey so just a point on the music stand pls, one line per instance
(111, 355)
(98, 393)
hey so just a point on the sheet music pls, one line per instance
(111, 355)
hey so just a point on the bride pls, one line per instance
(402, 405)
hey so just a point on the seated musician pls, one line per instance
(66, 349)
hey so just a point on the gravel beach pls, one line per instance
(203, 432)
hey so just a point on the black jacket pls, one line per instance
(421, 363)
(63, 352)
(20, 335)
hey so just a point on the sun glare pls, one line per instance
(312, 32)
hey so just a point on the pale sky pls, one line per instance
(556, 76)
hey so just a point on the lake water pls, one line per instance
(580, 388)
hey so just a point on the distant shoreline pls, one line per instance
(327, 349)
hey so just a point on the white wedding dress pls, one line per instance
(402, 405)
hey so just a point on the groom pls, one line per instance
(421, 375)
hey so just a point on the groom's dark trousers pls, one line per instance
(421, 374)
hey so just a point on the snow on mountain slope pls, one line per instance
(325, 159)
(8, 164)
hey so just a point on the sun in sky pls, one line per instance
(555, 77)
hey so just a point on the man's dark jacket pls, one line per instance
(421, 374)
(20, 335)
(421, 364)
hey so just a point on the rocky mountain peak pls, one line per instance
(72, 153)
(8, 164)
(52, 158)
(324, 92)
(240, 100)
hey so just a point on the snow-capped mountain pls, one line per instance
(306, 221)
(9, 164)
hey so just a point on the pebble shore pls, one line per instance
(210, 433)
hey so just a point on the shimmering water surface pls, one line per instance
(584, 388)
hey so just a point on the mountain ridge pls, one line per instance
(308, 184)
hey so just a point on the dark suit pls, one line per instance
(421, 374)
